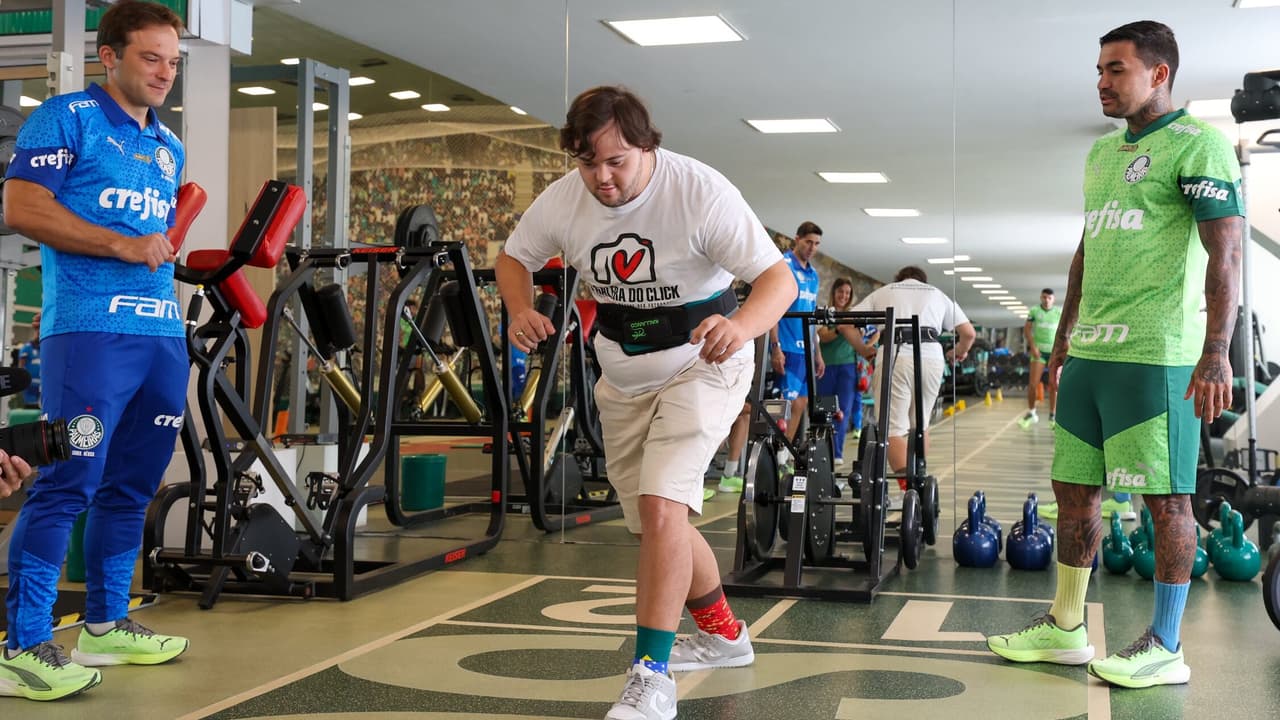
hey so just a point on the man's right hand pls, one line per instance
(1057, 359)
(529, 327)
(151, 250)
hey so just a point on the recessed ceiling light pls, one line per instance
(854, 177)
(976, 278)
(1010, 302)
(353, 116)
(999, 295)
(941, 261)
(676, 31)
(359, 80)
(979, 286)
(289, 61)
(256, 90)
(794, 125)
(1256, 3)
(405, 94)
(968, 269)
(518, 111)
(1210, 108)
(891, 212)
(435, 107)
(995, 292)
(925, 240)
(176, 108)
(318, 106)
(960, 258)
(25, 101)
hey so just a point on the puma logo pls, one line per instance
(116, 144)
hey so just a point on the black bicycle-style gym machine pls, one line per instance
(801, 507)
(233, 544)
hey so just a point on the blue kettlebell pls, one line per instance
(990, 522)
(974, 543)
(1029, 546)
(1049, 528)
(1117, 551)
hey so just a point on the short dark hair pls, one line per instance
(599, 106)
(126, 16)
(808, 228)
(911, 272)
(1047, 291)
(1154, 42)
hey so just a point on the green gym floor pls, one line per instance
(541, 627)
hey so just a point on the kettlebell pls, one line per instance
(1029, 546)
(990, 522)
(1238, 558)
(1117, 551)
(974, 543)
(1201, 564)
(1219, 535)
(1144, 532)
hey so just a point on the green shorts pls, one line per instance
(1126, 425)
(1044, 357)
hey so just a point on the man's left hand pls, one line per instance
(1210, 386)
(13, 472)
(720, 336)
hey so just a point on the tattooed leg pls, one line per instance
(1079, 523)
(1175, 537)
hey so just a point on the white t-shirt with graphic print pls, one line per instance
(683, 239)
(912, 297)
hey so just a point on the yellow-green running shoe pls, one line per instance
(1047, 511)
(1111, 505)
(128, 643)
(1145, 663)
(1044, 641)
(43, 672)
(708, 493)
(731, 484)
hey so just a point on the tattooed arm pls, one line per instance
(1211, 381)
(1067, 321)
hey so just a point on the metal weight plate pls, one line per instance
(867, 469)
(820, 528)
(563, 483)
(1271, 589)
(910, 531)
(1214, 485)
(760, 501)
(930, 509)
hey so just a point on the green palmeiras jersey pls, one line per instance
(1044, 326)
(1144, 265)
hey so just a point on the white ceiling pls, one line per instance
(980, 112)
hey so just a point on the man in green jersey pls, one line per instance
(1137, 365)
(1042, 325)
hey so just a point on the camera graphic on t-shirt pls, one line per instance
(625, 261)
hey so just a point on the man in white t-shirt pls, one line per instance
(910, 294)
(657, 237)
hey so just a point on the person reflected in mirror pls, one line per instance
(910, 294)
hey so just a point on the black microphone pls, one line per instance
(13, 380)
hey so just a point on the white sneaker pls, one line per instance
(705, 651)
(646, 696)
